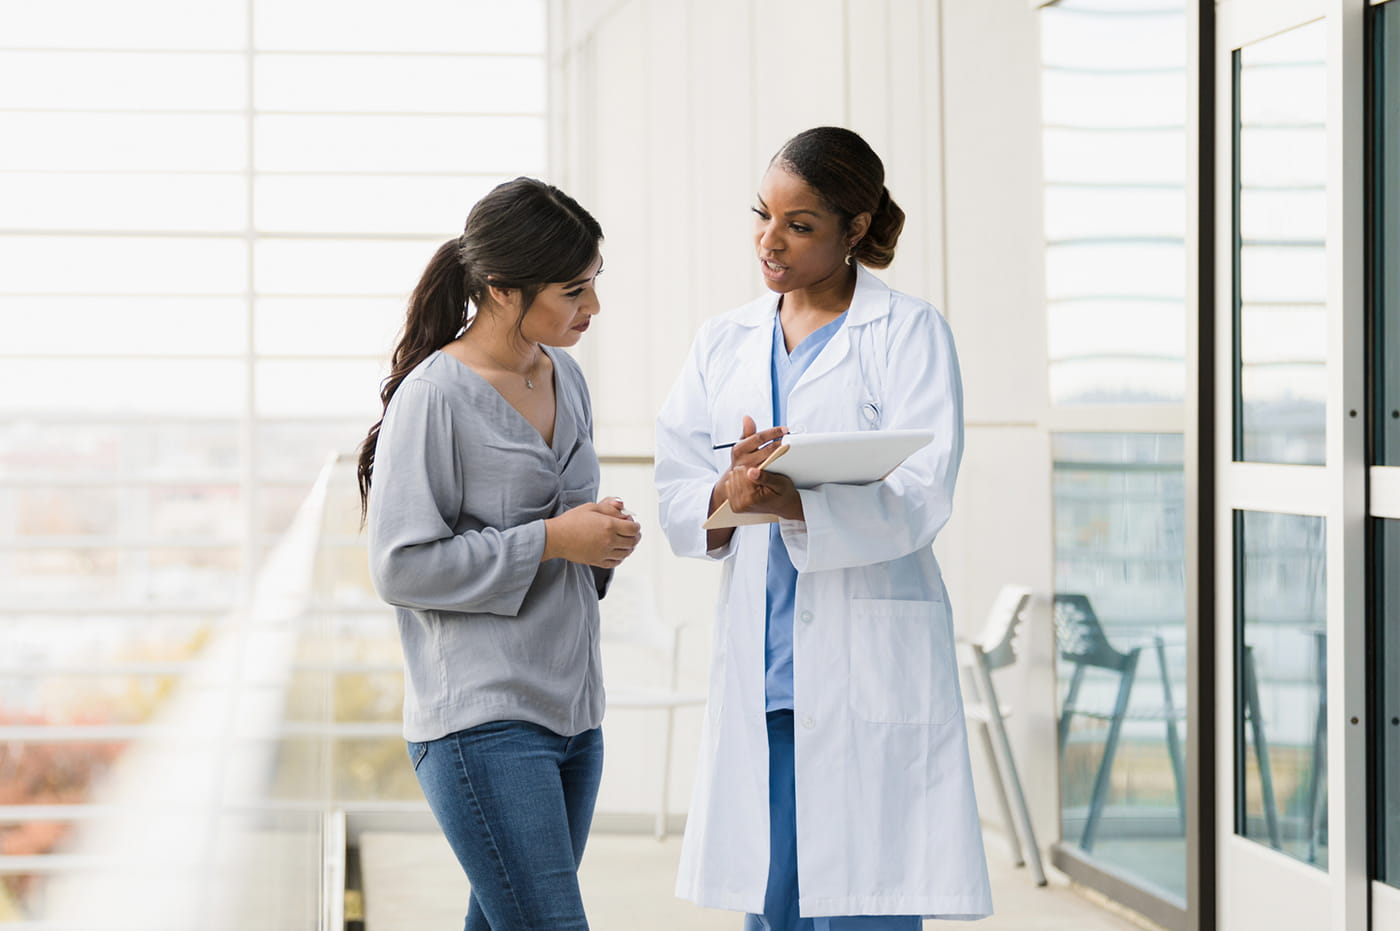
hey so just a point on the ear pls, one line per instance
(505, 298)
(860, 225)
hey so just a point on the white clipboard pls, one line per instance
(812, 459)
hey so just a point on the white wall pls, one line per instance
(665, 115)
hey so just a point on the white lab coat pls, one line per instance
(886, 817)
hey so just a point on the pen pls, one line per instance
(736, 442)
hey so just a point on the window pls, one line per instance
(213, 214)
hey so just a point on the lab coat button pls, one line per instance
(806, 617)
(809, 722)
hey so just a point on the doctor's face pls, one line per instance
(801, 244)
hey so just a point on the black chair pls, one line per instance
(1082, 642)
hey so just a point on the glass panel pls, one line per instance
(1115, 208)
(149, 24)
(294, 453)
(156, 326)
(443, 144)
(322, 326)
(130, 81)
(72, 201)
(135, 451)
(352, 268)
(401, 84)
(1280, 243)
(332, 388)
(148, 490)
(1281, 683)
(1120, 618)
(1387, 676)
(416, 26)
(128, 387)
(431, 204)
(125, 142)
(1385, 230)
(122, 265)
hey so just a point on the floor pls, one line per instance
(412, 883)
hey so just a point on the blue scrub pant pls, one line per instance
(780, 901)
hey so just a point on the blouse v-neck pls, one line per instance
(522, 420)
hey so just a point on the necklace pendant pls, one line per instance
(529, 384)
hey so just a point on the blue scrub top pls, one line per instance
(786, 369)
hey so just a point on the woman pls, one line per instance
(834, 789)
(483, 532)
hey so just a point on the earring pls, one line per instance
(848, 258)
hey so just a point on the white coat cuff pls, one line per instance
(802, 536)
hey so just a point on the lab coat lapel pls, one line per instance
(753, 382)
(870, 301)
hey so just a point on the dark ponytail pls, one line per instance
(850, 178)
(523, 235)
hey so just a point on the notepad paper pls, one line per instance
(812, 459)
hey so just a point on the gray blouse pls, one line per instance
(462, 486)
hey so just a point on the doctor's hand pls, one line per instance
(602, 534)
(753, 447)
(753, 490)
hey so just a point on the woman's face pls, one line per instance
(562, 311)
(800, 243)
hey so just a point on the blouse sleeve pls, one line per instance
(860, 525)
(416, 560)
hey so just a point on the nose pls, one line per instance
(769, 239)
(591, 305)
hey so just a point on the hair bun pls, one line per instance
(876, 247)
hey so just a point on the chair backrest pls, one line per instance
(1080, 636)
(998, 634)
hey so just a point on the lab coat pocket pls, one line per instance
(901, 662)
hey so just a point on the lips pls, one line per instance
(583, 327)
(772, 269)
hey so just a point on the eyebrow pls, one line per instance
(575, 284)
(790, 213)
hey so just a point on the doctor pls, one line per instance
(834, 789)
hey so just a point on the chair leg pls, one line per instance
(995, 729)
(1067, 712)
(1317, 800)
(1261, 749)
(1173, 737)
(1110, 748)
(1003, 803)
(972, 682)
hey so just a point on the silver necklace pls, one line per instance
(529, 380)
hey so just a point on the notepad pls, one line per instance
(812, 459)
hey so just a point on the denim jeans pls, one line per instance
(515, 801)
(780, 898)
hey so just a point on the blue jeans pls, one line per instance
(515, 801)
(780, 898)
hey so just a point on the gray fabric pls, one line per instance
(462, 486)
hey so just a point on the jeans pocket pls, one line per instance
(416, 752)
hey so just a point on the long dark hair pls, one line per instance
(523, 235)
(847, 174)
